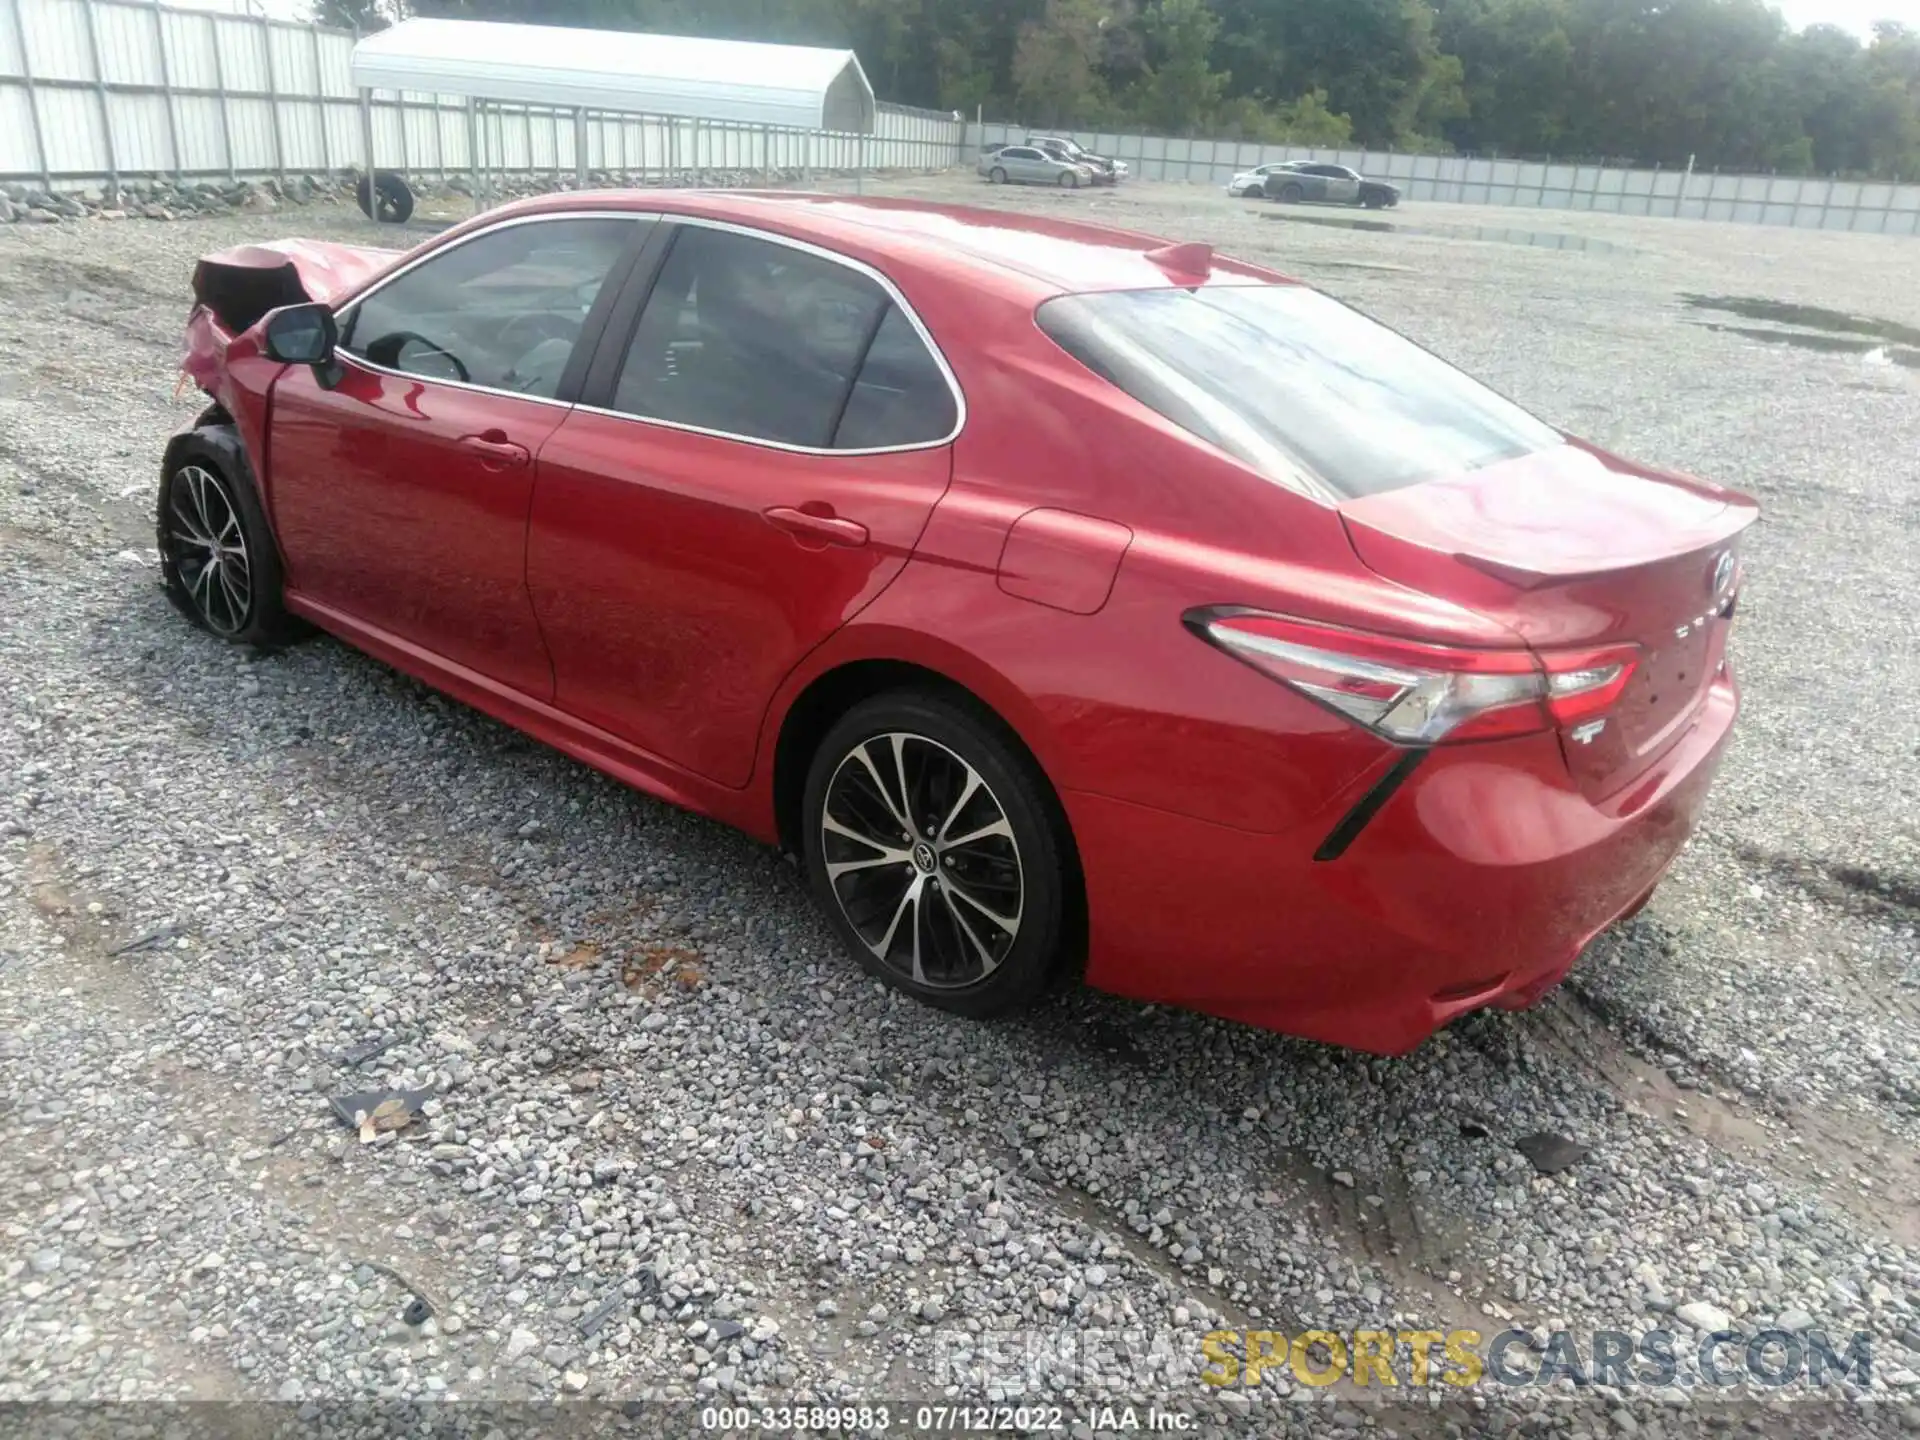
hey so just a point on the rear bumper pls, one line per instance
(1478, 883)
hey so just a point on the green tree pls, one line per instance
(363, 17)
(1180, 90)
(1056, 76)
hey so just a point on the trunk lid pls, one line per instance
(1573, 549)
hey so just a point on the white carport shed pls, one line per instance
(728, 82)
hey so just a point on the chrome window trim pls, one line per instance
(835, 257)
(352, 307)
(667, 216)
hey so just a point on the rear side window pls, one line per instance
(1294, 385)
(901, 396)
(755, 339)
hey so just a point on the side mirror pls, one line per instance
(300, 335)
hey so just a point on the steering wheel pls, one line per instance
(542, 325)
(386, 351)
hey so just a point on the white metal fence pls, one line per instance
(91, 90)
(1804, 201)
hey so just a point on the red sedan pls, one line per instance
(1066, 599)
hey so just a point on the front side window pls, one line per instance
(502, 310)
(1295, 385)
(751, 338)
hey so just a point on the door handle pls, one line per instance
(496, 452)
(825, 529)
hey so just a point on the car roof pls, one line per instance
(1033, 255)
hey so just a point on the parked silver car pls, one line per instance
(1026, 165)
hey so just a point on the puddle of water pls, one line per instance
(1810, 317)
(1377, 265)
(1808, 327)
(1499, 235)
(1873, 350)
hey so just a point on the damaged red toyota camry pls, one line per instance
(1066, 600)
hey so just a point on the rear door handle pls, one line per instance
(496, 452)
(827, 529)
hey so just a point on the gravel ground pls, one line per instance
(681, 1148)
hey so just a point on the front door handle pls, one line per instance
(821, 529)
(495, 451)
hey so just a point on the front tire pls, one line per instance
(218, 559)
(936, 853)
(1292, 194)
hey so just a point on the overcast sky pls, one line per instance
(1855, 15)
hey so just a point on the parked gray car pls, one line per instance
(1304, 180)
(1025, 165)
(1296, 180)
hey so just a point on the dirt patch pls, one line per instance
(1848, 1160)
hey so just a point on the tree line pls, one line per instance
(1728, 82)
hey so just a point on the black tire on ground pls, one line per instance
(207, 491)
(1374, 201)
(1068, 178)
(1028, 871)
(996, 176)
(396, 198)
(1292, 194)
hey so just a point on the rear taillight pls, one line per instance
(1417, 694)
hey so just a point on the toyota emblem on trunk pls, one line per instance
(1722, 572)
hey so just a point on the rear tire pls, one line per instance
(218, 559)
(972, 922)
(996, 176)
(1291, 194)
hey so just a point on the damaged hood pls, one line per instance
(327, 270)
(242, 284)
(233, 288)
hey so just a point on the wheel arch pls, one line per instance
(215, 430)
(837, 688)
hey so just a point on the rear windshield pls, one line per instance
(1294, 384)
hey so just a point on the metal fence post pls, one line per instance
(400, 127)
(580, 147)
(100, 94)
(366, 149)
(166, 87)
(319, 99)
(273, 99)
(220, 84)
(33, 104)
(473, 151)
